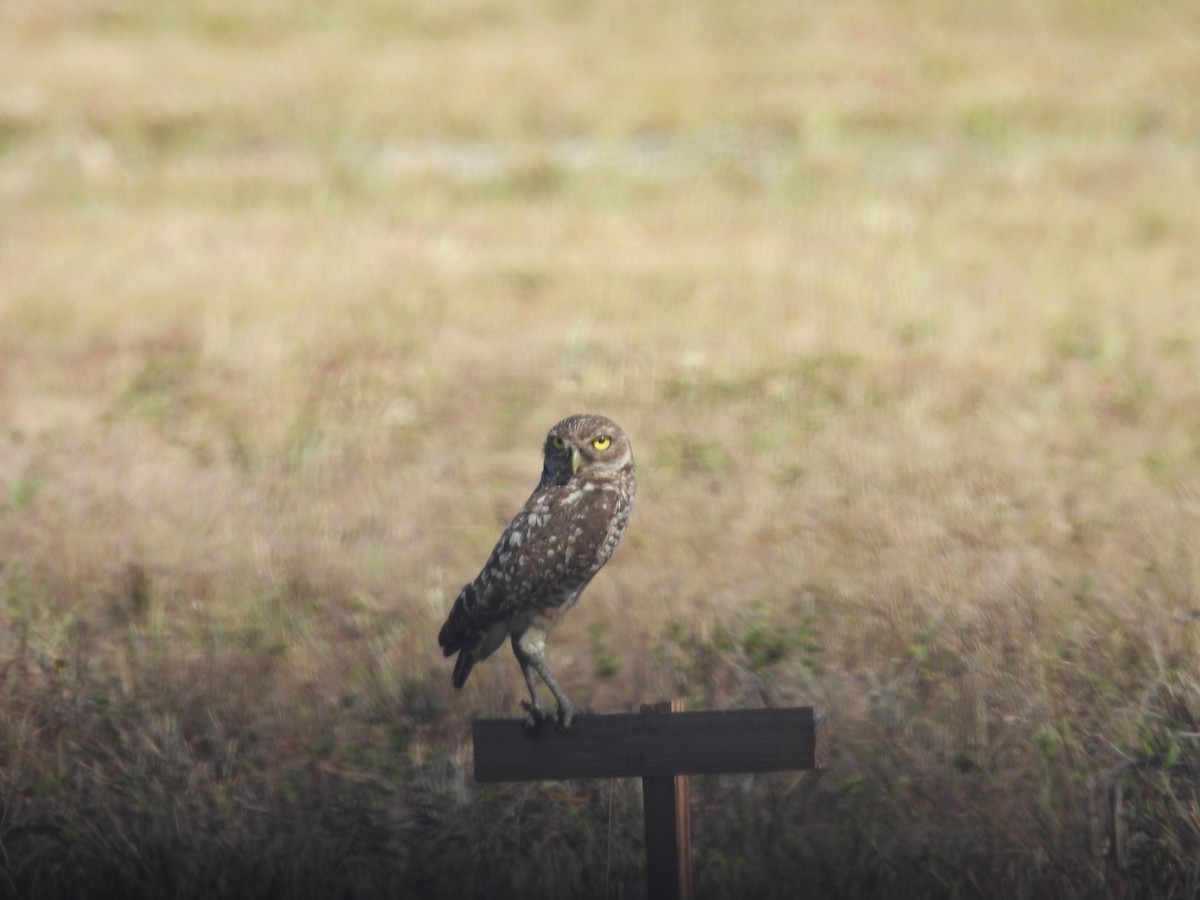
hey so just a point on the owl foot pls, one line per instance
(565, 715)
(534, 717)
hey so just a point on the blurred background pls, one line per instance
(898, 301)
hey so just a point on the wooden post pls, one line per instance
(668, 815)
(661, 745)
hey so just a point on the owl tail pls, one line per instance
(462, 668)
(457, 635)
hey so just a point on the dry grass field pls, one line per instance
(899, 302)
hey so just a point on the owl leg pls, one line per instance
(530, 649)
(534, 714)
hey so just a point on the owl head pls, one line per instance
(586, 446)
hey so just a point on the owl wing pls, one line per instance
(545, 557)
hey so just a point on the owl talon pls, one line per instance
(565, 715)
(534, 717)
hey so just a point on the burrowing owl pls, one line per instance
(567, 530)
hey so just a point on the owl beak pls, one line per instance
(576, 460)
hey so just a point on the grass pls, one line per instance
(898, 302)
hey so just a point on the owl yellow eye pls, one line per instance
(557, 443)
(602, 443)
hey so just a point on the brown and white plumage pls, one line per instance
(563, 535)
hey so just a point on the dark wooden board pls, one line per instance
(647, 744)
